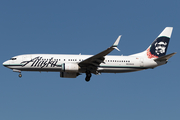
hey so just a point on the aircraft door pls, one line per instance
(141, 62)
(26, 57)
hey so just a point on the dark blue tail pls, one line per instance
(159, 47)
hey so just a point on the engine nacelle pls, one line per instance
(68, 74)
(70, 67)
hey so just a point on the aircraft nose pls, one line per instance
(6, 63)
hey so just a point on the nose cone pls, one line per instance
(6, 63)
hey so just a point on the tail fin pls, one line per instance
(159, 47)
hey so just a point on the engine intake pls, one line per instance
(70, 67)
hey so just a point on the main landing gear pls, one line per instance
(88, 76)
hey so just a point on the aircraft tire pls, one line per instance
(88, 76)
(20, 75)
(87, 79)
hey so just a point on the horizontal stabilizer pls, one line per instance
(165, 58)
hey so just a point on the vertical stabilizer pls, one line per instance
(159, 47)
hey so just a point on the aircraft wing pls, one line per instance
(95, 60)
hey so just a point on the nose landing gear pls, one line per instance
(19, 71)
(20, 75)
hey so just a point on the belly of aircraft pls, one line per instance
(118, 70)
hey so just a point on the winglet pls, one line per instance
(116, 42)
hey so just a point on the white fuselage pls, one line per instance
(53, 62)
(70, 66)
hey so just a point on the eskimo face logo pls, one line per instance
(160, 47)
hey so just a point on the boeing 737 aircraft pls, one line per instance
(70, 66)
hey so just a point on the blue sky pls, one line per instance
(88, 27)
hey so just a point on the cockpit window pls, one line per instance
(13, 58)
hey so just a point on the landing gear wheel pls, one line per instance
(87, 79)
(20, 75)
(88, 76)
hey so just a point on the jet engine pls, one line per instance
(69, 70)
(68, 74)
(70, 67)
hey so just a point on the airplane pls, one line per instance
(70, 66)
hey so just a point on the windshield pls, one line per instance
(13, 59)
